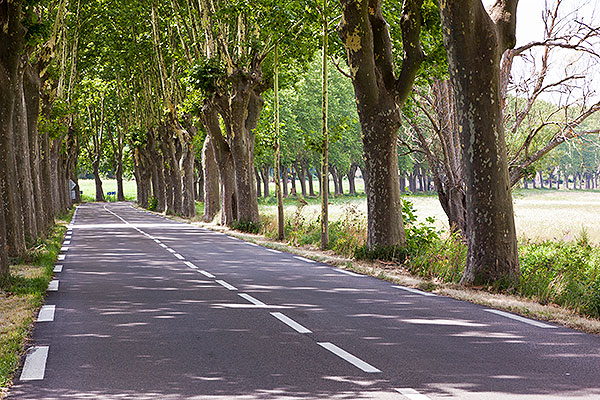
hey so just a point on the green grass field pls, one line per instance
(540, 214)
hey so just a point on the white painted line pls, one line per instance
(521, 319)
(343, 271)
(68, 237)
(53, 286)
(415, 291)
(290, 322)
(67, 242)
(412, 394)
(46, 314)
(357, 362)
(58, 268)
(189, 264)
(252, 300)
(226, 285)
(35, 364)
(179, 256)
(164, 246)
(157, 241)
(64, 248)
(170, 250)
(207, 274)
(304, 259)
(61, 257)
(273, 251)
(252, 244)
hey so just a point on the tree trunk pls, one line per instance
(351, 179)
(264, 171)
(475, 42)
(284, 179)
(211, 181)
(258, 183)
(31, 87)
(301, 177)
(311, 188)
(293, 181)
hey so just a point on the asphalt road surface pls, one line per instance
(147, 308)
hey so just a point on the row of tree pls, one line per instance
(181, 89)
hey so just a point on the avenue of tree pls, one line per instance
(210, 100)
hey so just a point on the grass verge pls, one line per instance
(22, 294)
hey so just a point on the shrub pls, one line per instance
(152, 203)
(246, 226)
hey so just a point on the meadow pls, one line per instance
(540, 214)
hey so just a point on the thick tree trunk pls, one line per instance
(3, 244)
(31, 87)
(475, 42)
(284, 180)
(211, 181)
(46, 181)
(98, 181)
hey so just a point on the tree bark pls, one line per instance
(380, 96)
(351, 179)
(475, 41)
(284, 180)
(258, 182)
(211, 181)
(311, 188)
(301, 177)
(265, 178)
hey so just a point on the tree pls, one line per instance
(475, 41)
(380, 95)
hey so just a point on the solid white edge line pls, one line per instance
(274, 251)
(35, 364)
(357, 362)
(412, 394)
(304, 259)
(189, 264)
(252, 300)
(57, 268)
(46, 313)
(61, 257)
(207, 274)
(291, 323)
(53, 286)
(179, 256)
(226, 285)
(252, 244)
(415, 291)
(521, 319)
(343, 271)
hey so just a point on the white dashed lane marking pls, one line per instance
(252, 244)
(357, 362)
(207, 274)
(170, 250)
(35, 364)
(226, 285)
(64, 249)
(274, 251)
(291, 323)
(252, 300)
(58, 268)
(164, 246)
(521, 319)
(53, 286)
(67, 242)
(179, 256)
(189, 264)
(61, 257)
(46, 314)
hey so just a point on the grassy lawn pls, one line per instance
(88, 186)
(22, 294)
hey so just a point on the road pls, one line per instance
(148, 308)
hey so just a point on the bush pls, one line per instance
(383, 253)
(567, 274)
(152, 203)
(246, 226)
